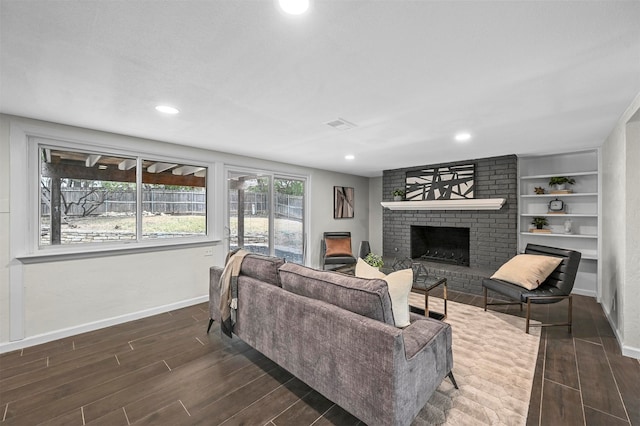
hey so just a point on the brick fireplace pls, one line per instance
(492, 234)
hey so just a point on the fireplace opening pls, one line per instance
(442, 244)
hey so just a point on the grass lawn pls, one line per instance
(150, 224)
(287, 232)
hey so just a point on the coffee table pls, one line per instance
(423, 286)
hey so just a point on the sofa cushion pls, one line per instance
(369, 298)
(527, 270)
(261, 267)
(399, 284)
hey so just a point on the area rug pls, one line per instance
(493, 364)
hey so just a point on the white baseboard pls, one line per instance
(582, 292)
(629, 351)
(83, 328)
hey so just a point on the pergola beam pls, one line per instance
(72, 171)
(127, 164)
(92, 160)
(160, 167)
(186, 170)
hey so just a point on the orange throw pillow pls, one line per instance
(338, 247)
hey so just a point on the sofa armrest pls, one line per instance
(214, 292)
(419, 334)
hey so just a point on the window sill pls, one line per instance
(74, 253)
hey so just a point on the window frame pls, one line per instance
(33, 252)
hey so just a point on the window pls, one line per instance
(266, 213)
(89, 197)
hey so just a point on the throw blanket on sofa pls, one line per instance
(229, 290)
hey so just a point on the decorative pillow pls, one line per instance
(338, 247)
(399, 285)
(527, 270)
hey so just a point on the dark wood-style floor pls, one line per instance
(165, 370)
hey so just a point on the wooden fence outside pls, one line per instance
(171, 202)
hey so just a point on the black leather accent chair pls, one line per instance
(336, 261)
(555, 288)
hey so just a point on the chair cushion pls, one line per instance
(339, 260)
(399, 286)
(338, 247)
(527, 270)
(369, 298)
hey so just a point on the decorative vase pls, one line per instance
(567, 226)
(397, 198)
(561, 186)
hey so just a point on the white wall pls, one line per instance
(321, 210)
(632, 266)
(620, 230)
(60, 298)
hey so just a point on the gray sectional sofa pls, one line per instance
(336, 333)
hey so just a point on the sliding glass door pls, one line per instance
(266, 214)
(288, 229)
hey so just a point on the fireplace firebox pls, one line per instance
(441, 244)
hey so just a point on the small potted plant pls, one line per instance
(398, 194)
(539, 222)
(561, 182)
(374, 260)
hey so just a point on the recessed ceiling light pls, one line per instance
(294, 7)
(167, 109)
(349, 157)
(463, 136)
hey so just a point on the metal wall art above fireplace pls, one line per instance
(441, 183)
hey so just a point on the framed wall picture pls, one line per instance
(342, 202)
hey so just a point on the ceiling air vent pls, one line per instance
(340, 124)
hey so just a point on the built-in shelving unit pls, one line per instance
(582, 209)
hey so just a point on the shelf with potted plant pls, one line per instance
(550, 185)
(549, 176)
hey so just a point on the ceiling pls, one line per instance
(521, 76)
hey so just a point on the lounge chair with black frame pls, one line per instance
(555, 288)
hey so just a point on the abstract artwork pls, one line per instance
(441, 183)
(342, 202)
